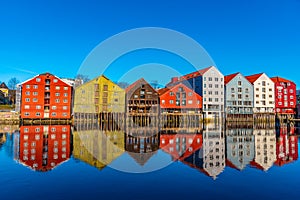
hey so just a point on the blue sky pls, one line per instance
(56, 36)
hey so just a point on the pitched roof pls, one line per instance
(279, 79)
(140, 81)
(162, 90)
(3, 85)
(195, 74)
(141, 158)
(228, 78)
(253, 78)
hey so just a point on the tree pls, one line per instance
(82, 77)
(12, 83)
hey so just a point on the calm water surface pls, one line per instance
(63, 162)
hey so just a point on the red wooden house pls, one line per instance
(44, 147)
(46, 96)
(179, 98)
(285, 96)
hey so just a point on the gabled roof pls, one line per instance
(278, 79)
(3, 85)
(228, 78)
(162, 90)
(195, 74)
(141, 158)
(138, 82)
(44, 74)
(254, 77)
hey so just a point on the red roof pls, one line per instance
(253, 78)
(230, 164)
(162, 90)
(195, 74)
(228, 78)
(256, 165)
(278, 79)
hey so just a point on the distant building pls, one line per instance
(238, 94)
(142, 108)
(42, 148)
(285, 96)
(45, 96)
(209, 84)
(263, 91)
(239, 147)
(265, 148)
(11, 97)
(4, 89)
(2, 98)
(298, 104)
(179, 98)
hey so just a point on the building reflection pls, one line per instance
(96, 147)
(2, 139)
(286, 146)
(239, 146)
(265, 146)
(141, 147)
(42, 148)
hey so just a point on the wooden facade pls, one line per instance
(45, 97)
(142, 109)
(100, 100)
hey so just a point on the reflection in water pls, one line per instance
(96, 147)
(286, 147)
(237, 146)
(43, 147)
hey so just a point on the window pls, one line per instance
(57, 100)
(38, 114)
(209, 78)
(190, 94)
(210, 99)
(216, 99)
(171, 101)
(239, 89)
(239, 96)
(35, 100)
(54, 107)
(64, 114)
(204, 100)
(26, 130)
(27, 86)
(257, 89)
(57, 94)
(291, 97)
(239, 83)
(280, 103)
(190, 101)
(263, 83)
(27, 100)
(171, 93)
(35, 86)
(232, 90)
(291, 90)
(210, 92)
(204, 92)
(279, 96)
(26, 113)
(27, 93)
(246, 90)
(204, 85)
(216, 86)
(35, 93)
(25, 137)
(53, 129)
(65, 88)
(210, 85)
(65, 100)
(53, 114)
(291, 103)
(38, 107)
(263, 89)
(65, 107)
(64, 129)
(232, 96)
(270, 90)
(57, 87)
(216, 92)
(216, 79)
(26, 106)
(38, 80)
(263, 96)
(65, 94)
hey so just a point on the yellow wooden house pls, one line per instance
(99, 95)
